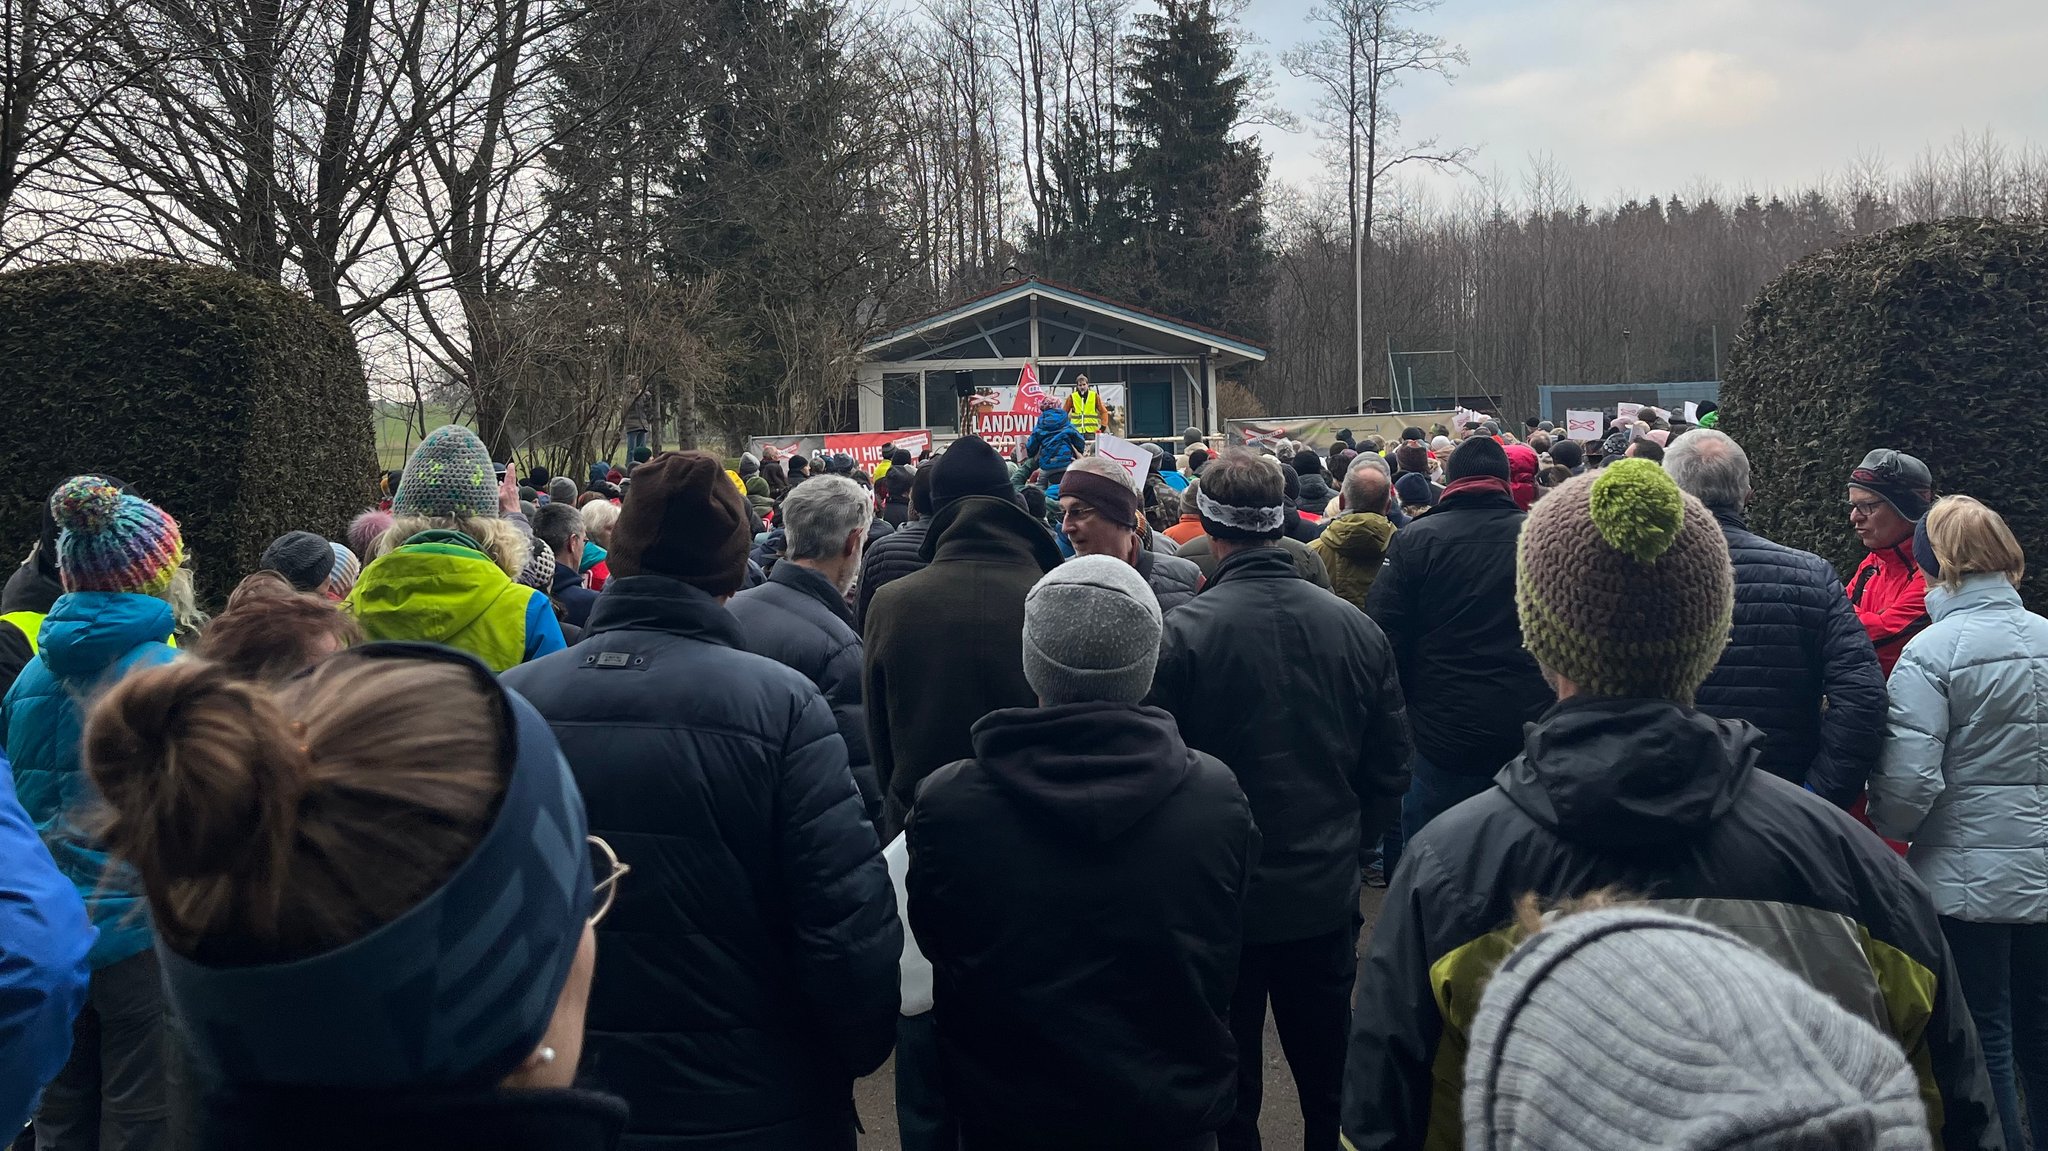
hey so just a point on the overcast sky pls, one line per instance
(1644, 97)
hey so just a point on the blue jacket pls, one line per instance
(89, 641)
(1055, 441)
(44, 937)
(750, 975)
(1964, 770)
(1796, 643)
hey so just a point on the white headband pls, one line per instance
(1243, 519)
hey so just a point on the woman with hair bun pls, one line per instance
(373, 894)
(121, 562)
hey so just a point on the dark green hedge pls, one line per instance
(1931, 339)
(236, 405)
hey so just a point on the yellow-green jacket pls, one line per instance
(441, 587)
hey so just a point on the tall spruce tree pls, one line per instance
(735, 154)
(1194, 180)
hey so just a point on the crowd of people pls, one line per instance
(653, 809)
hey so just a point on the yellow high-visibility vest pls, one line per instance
(1087, 412)
(29, 623)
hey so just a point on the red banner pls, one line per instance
(864, 447)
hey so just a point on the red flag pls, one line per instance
(1030, 397)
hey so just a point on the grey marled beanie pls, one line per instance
(1630, 1028)
(1091, 632)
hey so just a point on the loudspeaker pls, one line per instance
(963, 383)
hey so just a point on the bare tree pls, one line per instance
(1366, 50)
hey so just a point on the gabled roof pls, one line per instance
(998, 298)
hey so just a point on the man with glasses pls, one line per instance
(1888, 493)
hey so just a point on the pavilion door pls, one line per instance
(1151, 410)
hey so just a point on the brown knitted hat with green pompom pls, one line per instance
(1624, 586)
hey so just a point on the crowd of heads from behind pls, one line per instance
(977, 753)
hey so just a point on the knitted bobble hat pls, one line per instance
(449, 474)
(1624, 586)
(1632, 1028)
(113, 542)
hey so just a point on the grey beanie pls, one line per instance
(1091, 633)
(302, 558)
(562, 490)
(1632, 1028)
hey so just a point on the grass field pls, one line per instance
(397, 434)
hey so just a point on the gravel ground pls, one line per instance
(1279, 1120)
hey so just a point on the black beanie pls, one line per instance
(970, 468)
(1570, 453)
(1478, 456)
(683, 519)
(301, 557)
(921, 491)
(1307, 463)
(1291, 484)
(1411, 432)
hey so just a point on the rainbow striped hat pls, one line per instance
(112, 541)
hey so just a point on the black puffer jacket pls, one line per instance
(1446, 597)
(799, 620)
(1658, 801)
(749, 972)
(1799, 666)
(1296, 691)
(890, 558)
(1079, 889)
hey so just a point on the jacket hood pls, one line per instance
(1094, 769)
(31, 587)
(1359, 536)
(88, 632)
(1054, 420)
(1626, 773)
(426, 591)
(988, 528)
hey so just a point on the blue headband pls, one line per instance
(1923, 550)
(457, 991)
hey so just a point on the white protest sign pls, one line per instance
(1692, 411)
(1582, 425)
(1135, 461)
(1627, 412)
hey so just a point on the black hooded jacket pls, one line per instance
(1078, 886)
(1666, 804)
(1295, 689)
(1446, 598)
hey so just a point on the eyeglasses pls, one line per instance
(604, 861)
(1864, 508)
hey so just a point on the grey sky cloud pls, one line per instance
(1647, 97)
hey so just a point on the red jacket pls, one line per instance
(1889, 592)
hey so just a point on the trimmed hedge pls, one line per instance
(234, 404)
(1931, 339)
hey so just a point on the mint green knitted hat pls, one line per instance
(1624, 586)
(449, 474)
